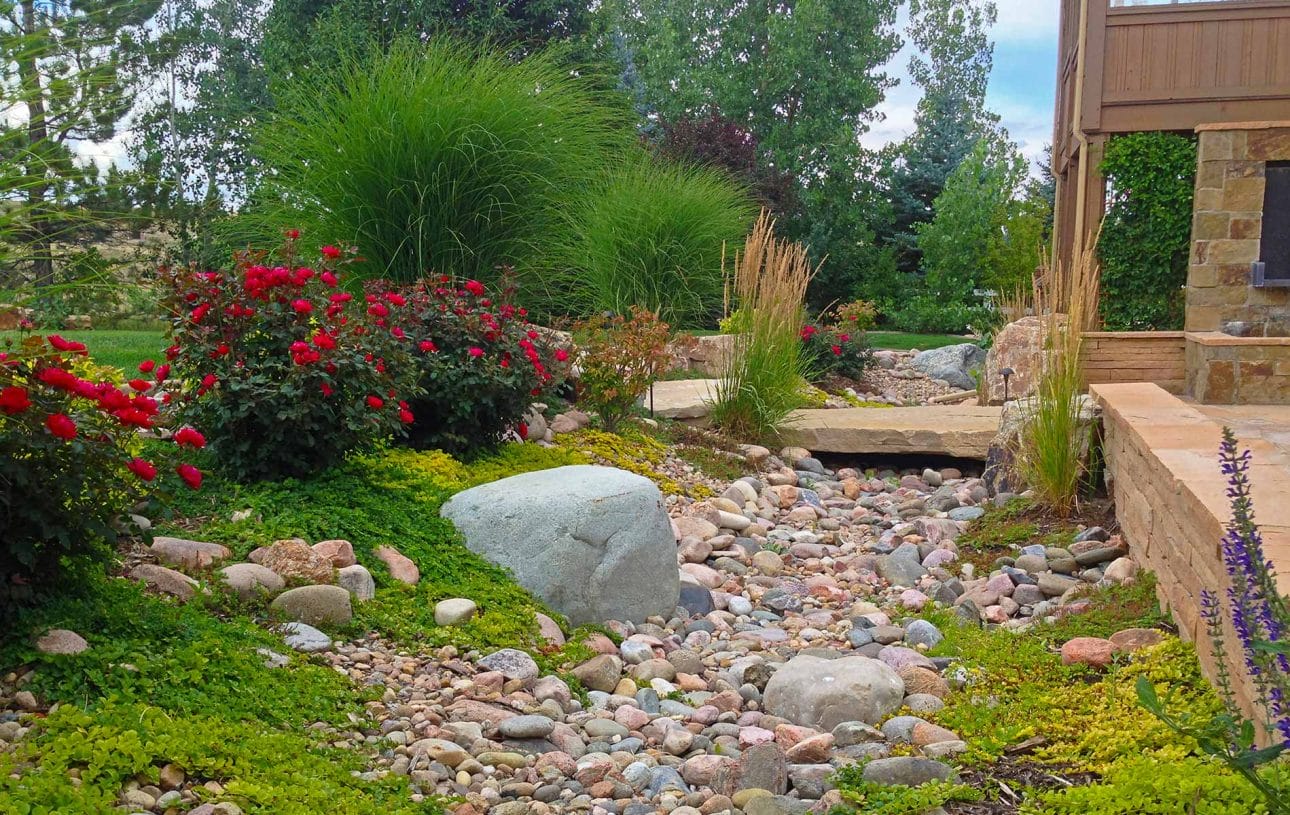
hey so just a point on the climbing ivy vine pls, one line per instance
(1147, 230)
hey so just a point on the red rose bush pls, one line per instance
(285, 372)
(479, 363)
(73, 460)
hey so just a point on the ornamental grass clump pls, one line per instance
(72, 461)
(653, 235)
(620, 358)
(761, 379)
(435, 157)
(1056, 433)
(1259, 615)
(282, 369)
(479, 365)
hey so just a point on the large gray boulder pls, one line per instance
(823, 693)
(953, 363)
(594, 543)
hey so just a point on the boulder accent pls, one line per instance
(952, 363)
(315, 605)
(594, 543)
(1017, 346)
(823, 693)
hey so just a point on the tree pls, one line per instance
(70, 72)
(953, 69)
(803, 77)
(309, 33)
(984, 233)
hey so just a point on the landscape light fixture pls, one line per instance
(1006, 373)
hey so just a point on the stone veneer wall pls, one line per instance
(1162, 469)
(1226, 227)
(1135, 356)
(1224, 370)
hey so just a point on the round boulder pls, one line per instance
(823, 693)
(594, 543)
(315, 605)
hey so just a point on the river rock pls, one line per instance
(823, 693)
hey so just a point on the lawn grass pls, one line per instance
(111, 347)
(900, 341)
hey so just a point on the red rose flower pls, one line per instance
(188, 437)
(13, 399)
(427, 346)
(61, 426)
(324, 340)
(808, 331)
(405, 416)
(561, 355)
(61, 344)
(330, 252)
(140, 385)
(200, 312)
(837, 349)
(329, 278)
(326, 389)
(147, 366)
(523, 430)
(190, 474)
(293, 234)
(163, 372)
(57, 378)
(476, 353)
(302, 306)
(475, 287)
(375, 402)
(143, 469)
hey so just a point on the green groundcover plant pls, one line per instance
(282, 369)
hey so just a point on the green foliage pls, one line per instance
(1112, 608)
(630, 450)
(479, 365)
(264, 772)
(392, 499)
(1147, 230)
(435, 158)
(69, 464)
(858, 315)
(952, 65)
(925, 314)
(653, 235)
(880, 799)
(620, 359)
(899, 341)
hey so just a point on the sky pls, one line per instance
(1022, 82)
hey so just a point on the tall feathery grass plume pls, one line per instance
(1056, 434)
(761, 382)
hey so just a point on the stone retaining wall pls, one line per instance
(1223, 370)
(1135, 356)
(1162, 468)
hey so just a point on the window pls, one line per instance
(1274, 246)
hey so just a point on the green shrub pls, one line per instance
(479, 365)
(1146, 234)
(654, 235)
(69, 462)
(285, 372)
(434, 158)
(923, 314)
(620, 358)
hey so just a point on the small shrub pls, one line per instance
(620, 359)
(70, 461)
(761, 380)
(857, 316)
(283, 370)
(479, 365)
(835, 350)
